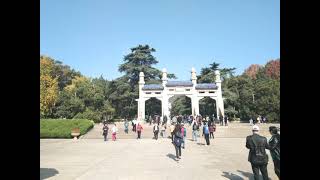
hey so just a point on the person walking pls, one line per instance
(258, 119)
(177, 140)
(163, 131)
(172, 127)
(126, 126)
(139, 130)
(205, 133)
(194, 130)
(226, 120)
(135, 125)
(184, 135)
(264, 120)
(251, 122)
(274, 147)
(257, 155)
(114, 132)
(155, 131)
(211, 130)
(105, 131)
(165, 119)
(174, 119)
(221, 120)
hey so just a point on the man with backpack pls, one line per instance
(257, 154)
(177, 141)
(205, 132)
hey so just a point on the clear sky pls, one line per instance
(93, 36)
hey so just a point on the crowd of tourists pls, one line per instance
(206, 127)
(259, 120)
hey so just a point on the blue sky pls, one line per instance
(93, 36)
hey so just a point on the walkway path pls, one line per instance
(132, 159)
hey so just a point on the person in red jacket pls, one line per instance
(139, 129)
(212, 129)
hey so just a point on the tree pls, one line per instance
(207, 107)
(141, 60)
(252, 71)
(180, 105)
(207, 74)
(48, 86)
(153, 106)
(124, 90)
(272, 69)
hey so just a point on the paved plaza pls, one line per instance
(128, 158)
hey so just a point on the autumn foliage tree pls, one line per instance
(48, 86)
(252, 71)
(272, 69)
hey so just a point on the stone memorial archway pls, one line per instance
(168, 89)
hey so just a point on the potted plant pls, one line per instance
(75, 132)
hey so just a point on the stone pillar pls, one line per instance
(168, 111)
(194, 98)
(217, 109)
(141, 101)
(195, 105)
(220, 103)
(165, 99)
(142, 109)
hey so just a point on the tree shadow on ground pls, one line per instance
(232, 176)
(47, 172)
(172, 156)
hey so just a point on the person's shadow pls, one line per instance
(232, 176)
(171, 156)
(250, 175)
(47, 172)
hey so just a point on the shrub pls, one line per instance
(61, 128)
(89, 114)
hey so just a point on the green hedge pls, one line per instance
(61, 128)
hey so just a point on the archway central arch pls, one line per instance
(184, 109)
(153, 107)
(168, 89)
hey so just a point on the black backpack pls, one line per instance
(259, 155)
(178, 139)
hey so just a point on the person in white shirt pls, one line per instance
(134, 125)
(114, 132)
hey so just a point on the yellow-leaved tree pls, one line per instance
(48, 86)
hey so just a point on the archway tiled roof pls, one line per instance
(206, 86)
(152, 87)
(179, 83)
